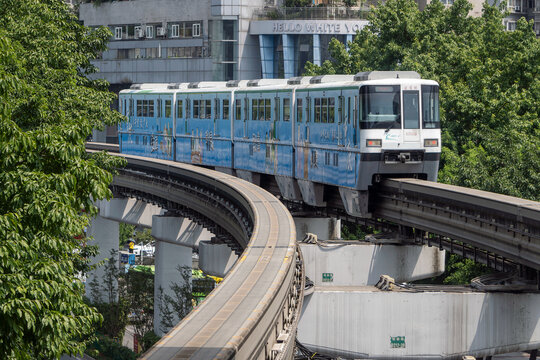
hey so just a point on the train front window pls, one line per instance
(411, 110)
(380, 107)
(430, 107)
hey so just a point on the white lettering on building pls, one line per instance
(316, 28)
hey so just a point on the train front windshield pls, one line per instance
(381, 107)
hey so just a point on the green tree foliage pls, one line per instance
(106, 298)
(48, 108)
(126, 234)
(490, 86)
(177, 306)
(297, 3)
(139, 295)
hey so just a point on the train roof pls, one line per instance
(300, 82)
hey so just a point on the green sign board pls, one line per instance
(327, 277)
(397, 341)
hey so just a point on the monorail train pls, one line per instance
(312, 135)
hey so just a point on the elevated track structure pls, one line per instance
(254, 312)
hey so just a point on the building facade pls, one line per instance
(164, 41)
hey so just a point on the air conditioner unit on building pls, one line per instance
(139, 33)
(160, 31)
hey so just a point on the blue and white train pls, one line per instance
(313, 136)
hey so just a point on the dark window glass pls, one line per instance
(317, 110)
(226, 109)
(411, 110)
(286, 109)
(299, 110)
(380, 107)
(430, 107)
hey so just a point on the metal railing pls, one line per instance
(312, 13)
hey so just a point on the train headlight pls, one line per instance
(431, 142)
(373, 142)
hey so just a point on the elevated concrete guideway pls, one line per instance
(477, 321)
(255, 310)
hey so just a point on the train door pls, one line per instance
(411, 116)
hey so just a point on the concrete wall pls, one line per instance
(362, 264)
(434, 325)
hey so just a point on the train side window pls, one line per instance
(195, 109)
(261, 109)
(225, 109)
(238, 104)
(131, 107)
(277, 113)
(159, 107)
(139, 107)
(411, 110)
(217, 108)
(317, 110)
(168, 108)
(188, 108)
(246, 108)
(355, 112)
(179, 109)
(208, 111)
(150, 108)
(121, 106)
(286, 109)
(341, 103)
(308, 109)
(268, 109)
(430, 107)
(299, 110)
(254, 109)
(331, 110)
(324, 110)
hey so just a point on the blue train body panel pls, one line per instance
(343, 133)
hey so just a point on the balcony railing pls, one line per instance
(311, 13)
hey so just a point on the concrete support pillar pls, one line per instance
(129, 210)
(104, 233)
(288, 55)
(266, 47)
(216, 259)
(317, 49)
(324, 228)
(180, 231)
(169, 257)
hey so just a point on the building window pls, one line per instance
(149, 31)
(128, 53)
(511, 25)
(186, 52)
(152, 53)
(196, 30)
(139, 32)
(118, 33)
(175, 30)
